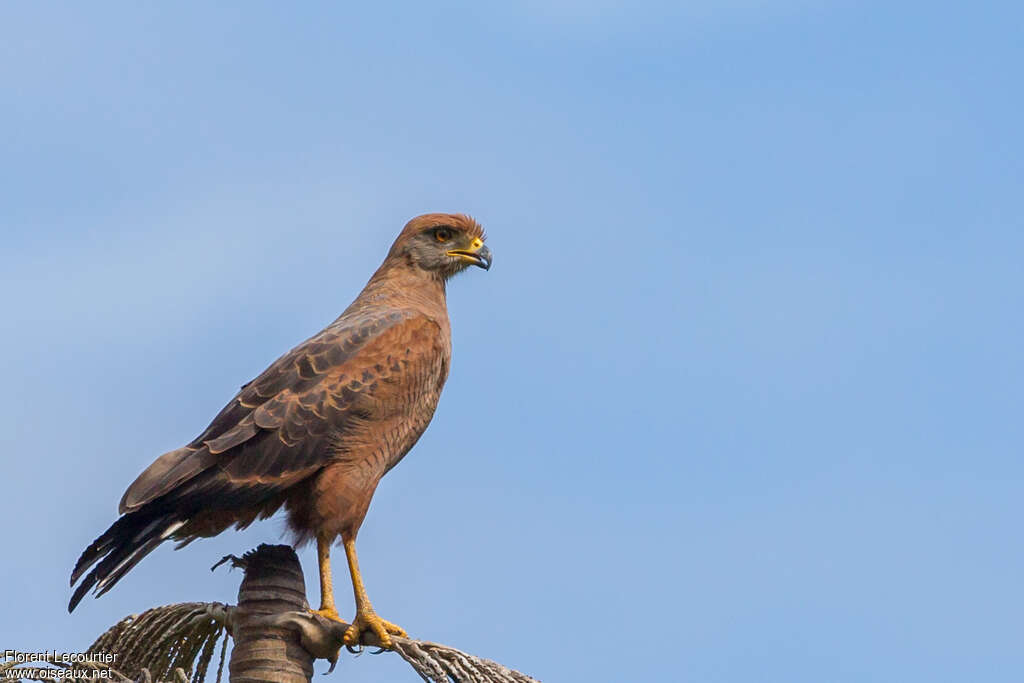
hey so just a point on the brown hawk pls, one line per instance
(316, 431)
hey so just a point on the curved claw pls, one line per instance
(369, 621)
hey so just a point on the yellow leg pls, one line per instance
(323, 556)
(366, 618)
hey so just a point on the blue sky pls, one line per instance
(739, 400)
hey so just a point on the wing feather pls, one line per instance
(285, 424)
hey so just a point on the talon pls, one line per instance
(369, 621)
(327, 613)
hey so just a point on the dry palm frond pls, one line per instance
(163, 639)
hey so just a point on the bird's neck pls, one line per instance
(400, 285)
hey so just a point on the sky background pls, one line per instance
(739, 401)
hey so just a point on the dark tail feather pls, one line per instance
(121, 547)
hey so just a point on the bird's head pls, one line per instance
(442, 244)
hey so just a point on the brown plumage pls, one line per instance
(316, 430)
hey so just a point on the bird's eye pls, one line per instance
(442, 234)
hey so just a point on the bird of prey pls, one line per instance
(316, 431)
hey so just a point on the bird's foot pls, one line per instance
(369, 621)
(328, 613)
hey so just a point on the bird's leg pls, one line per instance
(366, 618)
(323, 556)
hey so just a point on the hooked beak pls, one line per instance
(478, 255)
